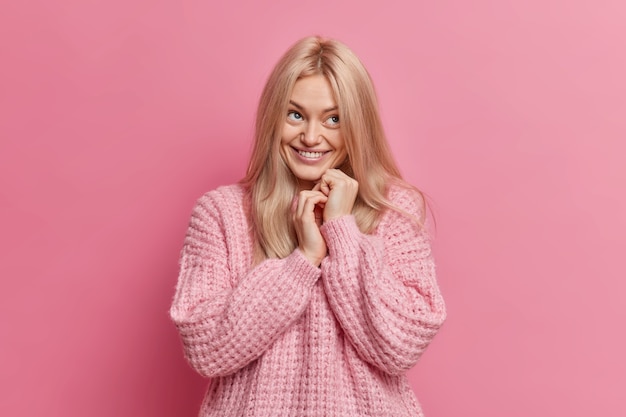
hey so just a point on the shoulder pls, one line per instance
(224, 201)
(407, 210)
(227, 194)
(407, 198)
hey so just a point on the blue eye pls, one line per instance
(294, 115)
(332, 120)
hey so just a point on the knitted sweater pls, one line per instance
(286, 338)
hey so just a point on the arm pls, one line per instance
(226, 322)
(382, 287)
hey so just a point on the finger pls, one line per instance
(331, 177)
(319, 214)
(313, 203)
(325, 184)
(309, 193)
(303, 197)
(307, 202)
(334, 178)
(322, 186)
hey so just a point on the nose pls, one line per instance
(312, 134)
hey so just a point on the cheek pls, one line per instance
(289, 133)
(337, 141)
(282, 149)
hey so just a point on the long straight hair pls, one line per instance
(270, 183)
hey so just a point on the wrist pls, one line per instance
(312, 258)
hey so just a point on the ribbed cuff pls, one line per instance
(341, 233)
(304, 272)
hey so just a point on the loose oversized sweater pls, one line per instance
(287, 338)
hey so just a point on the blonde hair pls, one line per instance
(269, 182)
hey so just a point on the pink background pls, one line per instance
(116, 115)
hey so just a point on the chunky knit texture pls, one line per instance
(285, 338)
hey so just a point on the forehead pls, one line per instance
(313, 91)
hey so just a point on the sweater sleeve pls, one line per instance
(382, 287)
(226, 322)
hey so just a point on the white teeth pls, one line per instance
(312, 155)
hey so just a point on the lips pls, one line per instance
(311, 155)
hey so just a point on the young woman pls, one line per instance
(308, 289)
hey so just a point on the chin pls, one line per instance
(311, 176)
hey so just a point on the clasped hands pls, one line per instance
(333, 196)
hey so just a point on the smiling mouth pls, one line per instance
(311, 155)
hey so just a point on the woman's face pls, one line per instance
(311, 141)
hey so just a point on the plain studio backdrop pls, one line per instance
(115, 116)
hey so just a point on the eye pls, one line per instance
(332, 121)
(294, 116)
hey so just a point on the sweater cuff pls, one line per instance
(341, 233)
(303, 270)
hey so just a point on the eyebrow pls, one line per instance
(299, 107)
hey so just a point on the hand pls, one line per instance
(307, 219)
(341, 191)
